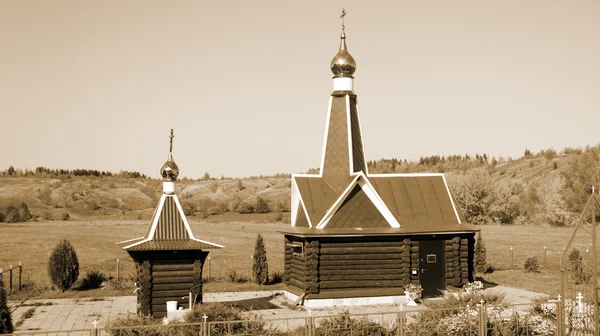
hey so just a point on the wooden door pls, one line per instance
(431, 264)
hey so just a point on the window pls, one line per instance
(297, 248)
(431, 258)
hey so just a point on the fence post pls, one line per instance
(204, 330)
(251, 267)
(482, 320)
(20, 274)
(10, 279)
(559, 317)
(400, 331)
(95, 328)
(118, 273)
(511, 257)
(309, 324)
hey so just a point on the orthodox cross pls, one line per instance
(171, 141)
(342, 17)
(579, 303)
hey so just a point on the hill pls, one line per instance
(531, 189)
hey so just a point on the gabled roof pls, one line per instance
(169, 230)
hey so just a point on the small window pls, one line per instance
(431, 258)
(297, 248)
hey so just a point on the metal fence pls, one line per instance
(12, 278)
(549, 318)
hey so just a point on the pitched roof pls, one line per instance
(417, 200)
(169, 230)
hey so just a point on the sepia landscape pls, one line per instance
(470, 209)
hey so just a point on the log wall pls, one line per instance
(162, 281)
(343, 265)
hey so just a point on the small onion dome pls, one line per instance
(169, 170)
(343, 64)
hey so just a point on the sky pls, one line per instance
(245, 84)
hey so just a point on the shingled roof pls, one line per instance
(169, 229)
(344, 196)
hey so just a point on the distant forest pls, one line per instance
(547, 187)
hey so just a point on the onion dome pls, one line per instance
(169, 170)
(343, 64)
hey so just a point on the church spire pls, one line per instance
(343, 64)
(343, 154)
(169, 170)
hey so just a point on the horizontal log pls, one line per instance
(360, 284)
(296, 283)
(323, 272)
(464, 248)
(163, 300)
(330, 263)
(464, 241)
(173, 267)
(170, 293)
(360, 277)
(386, 256)
(360, 250)
(298, 270)
(173, 280)
(173, 286)
(168, 274)
(464, 254)
(362, 244)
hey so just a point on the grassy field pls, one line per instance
(31, 244)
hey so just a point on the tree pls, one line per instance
(261, 206)
(552, 203)
(11, 171)
(6, 326)
(480, 255)
(63, 266)
(260, 268)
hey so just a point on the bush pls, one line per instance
(92, 280)
(217, 311)
(480, 255)
(345, 325)
(19, 213)
(260, 267)
(261, 206)
(232, 276)
(63, 266)
(150, 326)
(245, 207)
(6, 326)
(532, 265)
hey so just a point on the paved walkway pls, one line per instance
(70, 314)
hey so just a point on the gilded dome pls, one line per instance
(169, 170)
(343, 64)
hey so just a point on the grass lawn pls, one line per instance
(529, 241)
(31, 243)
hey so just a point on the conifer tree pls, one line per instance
(63, 265)
(260, 268)
(6, 326)
(480, 255)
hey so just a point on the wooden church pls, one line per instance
(168, 259)
(361, 237)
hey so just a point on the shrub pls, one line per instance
(6, 326)
(92, 280)
(260, 267)
(345, 325)
(480, 255)
(217, 311)
(245, 207)
(63, 266)
(150, 326)
(261, 206)
(532, 265)
(276, 277)
(232, 276)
